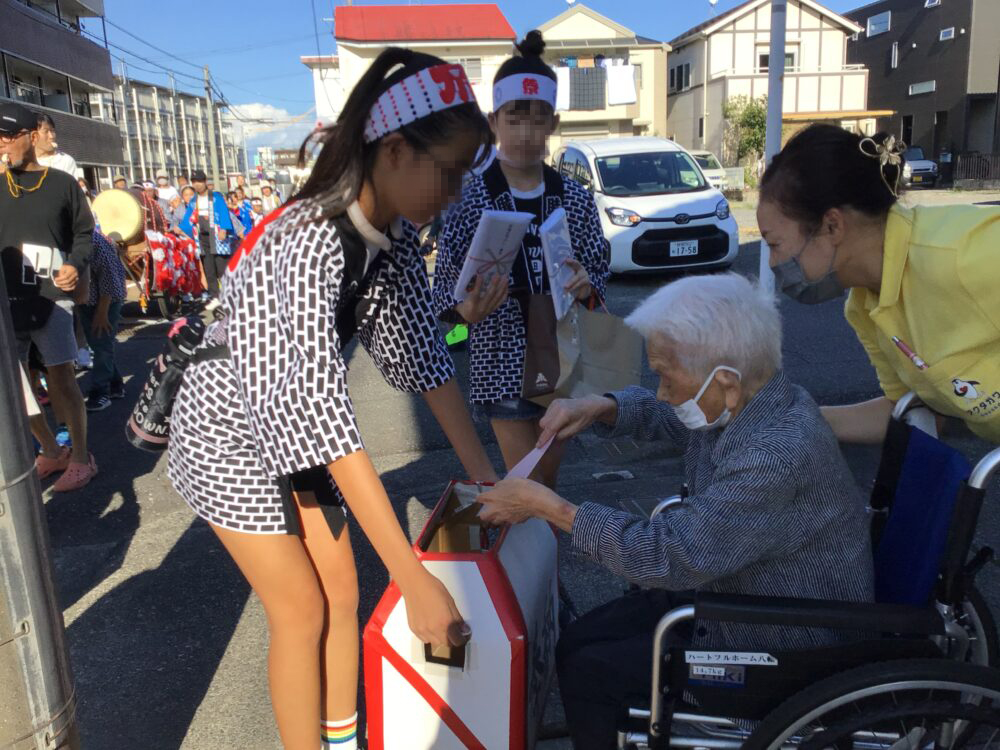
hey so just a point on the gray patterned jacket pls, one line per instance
(773, 511)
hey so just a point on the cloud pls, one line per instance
(267, 125)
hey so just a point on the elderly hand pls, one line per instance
(518, 500)
(567, 417)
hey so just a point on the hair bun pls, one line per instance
(532, 45)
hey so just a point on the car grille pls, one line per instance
(652, 248)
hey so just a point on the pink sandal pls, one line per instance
(46, 466)
(77, 475)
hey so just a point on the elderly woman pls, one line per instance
(773, 509)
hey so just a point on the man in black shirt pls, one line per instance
(46, 241)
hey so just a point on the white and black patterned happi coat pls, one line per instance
(279, 405)
(496, 344)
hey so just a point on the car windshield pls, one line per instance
(914, 153)
(707, 161)
(650, 173)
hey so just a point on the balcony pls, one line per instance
(824, 89)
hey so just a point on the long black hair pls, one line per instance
(528, 61)
(825, 166)
(346, 160)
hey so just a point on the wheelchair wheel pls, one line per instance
(984, 642)
(911, 704)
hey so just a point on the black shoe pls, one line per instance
(98, 402)
(117, 390)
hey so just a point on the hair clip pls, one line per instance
(889, 152)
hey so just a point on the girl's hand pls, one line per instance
(482, 302)
(579, 285)
(432, 614)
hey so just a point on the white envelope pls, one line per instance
(494, 248)
(557, 249)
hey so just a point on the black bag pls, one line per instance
(30, 313)
(149, 426)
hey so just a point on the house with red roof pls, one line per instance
(476, 35)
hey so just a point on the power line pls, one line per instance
(153, 46)
(248, 47)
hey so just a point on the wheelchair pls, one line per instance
(920, 675)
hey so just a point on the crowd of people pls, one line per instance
(67, 281)
(265, 446)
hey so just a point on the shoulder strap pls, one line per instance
(496, 183)
(553, 182)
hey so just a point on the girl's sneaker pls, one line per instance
(62, 436)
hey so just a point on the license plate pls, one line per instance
(684, 248)
(918, 179)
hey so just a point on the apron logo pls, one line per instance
(966, 388)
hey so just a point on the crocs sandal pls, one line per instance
(76, 476)
(46, 466)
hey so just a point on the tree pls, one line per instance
(746, 127)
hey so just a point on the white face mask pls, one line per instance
(691, 414)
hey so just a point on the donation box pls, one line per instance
(489, 694)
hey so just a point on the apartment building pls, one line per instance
(48, 63)
(728, 56)
(935, 64)
(166, 129)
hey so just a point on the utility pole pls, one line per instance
(37, 697)
(212, 149)
(775, 94)
(128, 137)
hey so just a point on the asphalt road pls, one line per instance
(169, 646)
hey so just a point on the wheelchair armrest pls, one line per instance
(819, 613)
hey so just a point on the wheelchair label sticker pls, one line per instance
(724, 676)
(745, 658)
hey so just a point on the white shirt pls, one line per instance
(61, 161)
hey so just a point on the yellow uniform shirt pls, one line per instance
(941, 296)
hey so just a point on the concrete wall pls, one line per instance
(984, 53)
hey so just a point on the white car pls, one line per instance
(657, 210)
(711, 168)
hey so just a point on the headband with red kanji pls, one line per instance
(420, 94)
(522, 86)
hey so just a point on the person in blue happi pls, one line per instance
(208, 222)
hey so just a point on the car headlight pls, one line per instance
(622, 217)
(907, 170)
(934, 167)
(722, 209)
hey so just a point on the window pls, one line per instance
(879, 23)
(854, 37)
(653, 173)
(894, 57)
(924, 87)
(473, 66)
(673, 79)
(687, 75)
(583, 175)
(701, 127)
(906, 134)
(33, 84)
(567, 166)
(763, 58)
(931, 3)
(946, 34)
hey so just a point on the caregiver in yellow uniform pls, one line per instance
(924, 282)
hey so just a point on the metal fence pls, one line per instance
(977, 167)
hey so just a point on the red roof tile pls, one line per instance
(409, 23)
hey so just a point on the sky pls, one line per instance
(252, 47)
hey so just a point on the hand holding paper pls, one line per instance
(494, 248)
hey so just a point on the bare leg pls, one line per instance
(333, 561)
(517, 437)
(282, 575)
(67, 402)
(43, 434)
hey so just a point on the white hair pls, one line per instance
(715, 320)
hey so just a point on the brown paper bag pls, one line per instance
(598, 353)
(547, 360)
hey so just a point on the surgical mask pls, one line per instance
(692, 416)
(791, 279)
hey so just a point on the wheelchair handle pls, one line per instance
(985, 470)
(908, 402)
(666, 504)
(667, 623)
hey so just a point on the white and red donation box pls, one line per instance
(489, 694)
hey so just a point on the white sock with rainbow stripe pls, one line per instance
(341, 734)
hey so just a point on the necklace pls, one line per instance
(16, 190)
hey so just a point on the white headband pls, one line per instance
(427, 91)
(524, 86)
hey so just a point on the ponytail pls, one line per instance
(826, 166)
